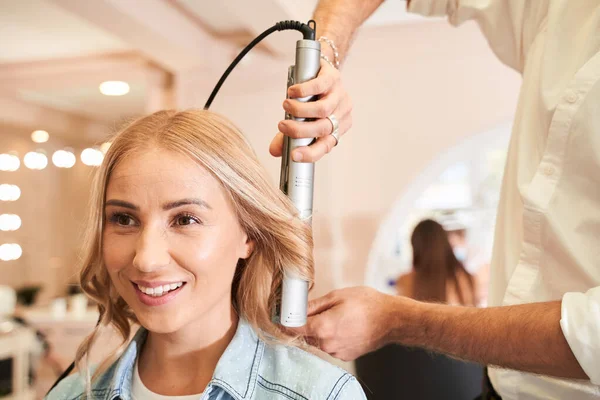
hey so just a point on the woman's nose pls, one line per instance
(152, 251)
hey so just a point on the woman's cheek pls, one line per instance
(208, 255)
(117, 254)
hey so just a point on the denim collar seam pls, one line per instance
(275, 390)
(335, 390)
(260, 348)
(260, 382)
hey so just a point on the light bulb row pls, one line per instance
(37, 160)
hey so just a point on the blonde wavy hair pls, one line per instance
(282, 242)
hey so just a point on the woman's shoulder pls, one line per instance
(73, 387)
(303, 375)
(70, 388)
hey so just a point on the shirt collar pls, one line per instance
(121, 373)
(236, 371)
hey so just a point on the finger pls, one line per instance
(319, 305)
(321, 146)
(323, 83)
(314, 152)
(276, 146)
(321, 108)
(305, 129)
(321, 126)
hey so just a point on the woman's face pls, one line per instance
(171, 240)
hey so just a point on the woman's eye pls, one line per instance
(186, 220)
(123, 220)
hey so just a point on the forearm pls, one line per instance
(339, 19)
(524, 337)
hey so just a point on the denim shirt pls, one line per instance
(248, 369)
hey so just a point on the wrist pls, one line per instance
(407, 316)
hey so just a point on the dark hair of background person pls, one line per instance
(435, 265)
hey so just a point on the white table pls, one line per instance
(18, 345)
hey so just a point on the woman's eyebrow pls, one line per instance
(185, 202)
(121, 203)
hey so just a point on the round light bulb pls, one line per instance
(114, 88)
(9, 162)
(10, 251)
(63, 159)
(9, 192)
(40, 136)
(9, 222)
(35, 160)
(92, 157)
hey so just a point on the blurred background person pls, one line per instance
(437, 275)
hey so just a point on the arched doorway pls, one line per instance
(461, 186)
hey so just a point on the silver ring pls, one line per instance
(336, 126)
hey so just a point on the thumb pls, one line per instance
(276, 146)
(309, 331)
(321, 304)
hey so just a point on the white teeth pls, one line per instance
(160, 290)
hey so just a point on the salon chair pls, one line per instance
(398, 372)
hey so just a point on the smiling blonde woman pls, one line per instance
(188, 238)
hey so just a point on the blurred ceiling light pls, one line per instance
(9, 162)
(9, 192)
(105, 146)
(114, 88)
(9, 222)
(35, 160)
(63, 159)
(40, 136)
(10, 251)
(92, 157)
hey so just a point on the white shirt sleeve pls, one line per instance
(510, 26)
(580, 323)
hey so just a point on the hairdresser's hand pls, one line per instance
(350, 322)
(333, 99)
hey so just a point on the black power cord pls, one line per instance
(308, 33)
